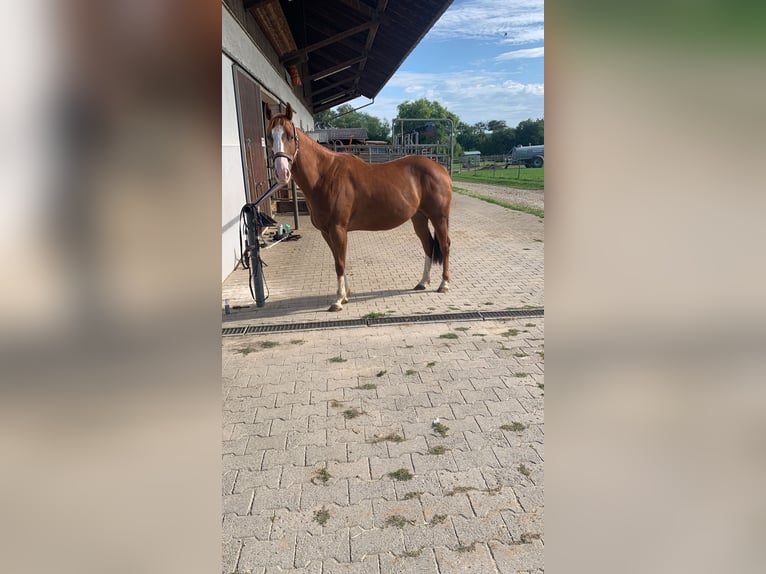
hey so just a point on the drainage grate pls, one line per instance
(513, 313)
(425, 318)
(435, 318)
(234, 331)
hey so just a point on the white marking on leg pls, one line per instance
(426, 273)
(347, 292)
(341, 293)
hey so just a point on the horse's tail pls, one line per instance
(436, 253)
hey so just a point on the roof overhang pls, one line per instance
(338, 50)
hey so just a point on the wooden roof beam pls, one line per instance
(298, 55)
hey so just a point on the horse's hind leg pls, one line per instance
(441, 229)
(420, 223)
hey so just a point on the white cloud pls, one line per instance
(474, 95)
(509, 21)
(521, 54)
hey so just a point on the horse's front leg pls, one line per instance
(337, 238)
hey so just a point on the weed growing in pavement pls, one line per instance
(337, 359)
(516, 427)
(398, 520)
(321, 474)
(524, 470)
(391, 437)
(245, 350)
(448, 336)
(411, 553)
(438, 519)
(541, 385)
(336, 404)
(528, 537)
(510, 333)
(322, 516)
(460, 490)
(368, 386)
(352, 413)
(431, 363)
(440, 429)
(381, 373)
(470, 548)
(410, 372)
(520, 354)
(529, 324)
(520, 375)
(415, 494)
(401, 474)
(269, 344)
(437, 450)
(297, 341)
(373, 315)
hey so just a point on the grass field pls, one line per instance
(524, 178)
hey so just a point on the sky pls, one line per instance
(482, 60)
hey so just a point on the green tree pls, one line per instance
(427, 109)
(496, 125)
(530, 132)
(345, 116)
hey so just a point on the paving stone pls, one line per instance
(481, 529)
(475, 459)
(424, 463)
(513, 558)
(323, 454)
(260, 444)
(334, 492)
(278, 458)
(256, 553)
(238, 503)
(485, 503)
(523, 524)
(248, 461)
(375, 541)
(430, 535)
(246, 527)
(230, 555)
(462, 479)
(267, 499)
(333, 545)
(456, 505)
(424, 562)
(250, 479)
(477, 559)
(370, 490)
(367, 565)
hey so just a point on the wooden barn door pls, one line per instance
(250, 111)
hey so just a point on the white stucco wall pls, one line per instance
(238, 48)
(232, 176)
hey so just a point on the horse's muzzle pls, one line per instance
(282, 167)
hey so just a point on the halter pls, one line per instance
(288, 157)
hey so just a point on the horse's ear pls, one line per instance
(289, 111)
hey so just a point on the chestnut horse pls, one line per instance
(344, 194)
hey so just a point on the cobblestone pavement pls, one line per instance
(332, 462)
(496, 263)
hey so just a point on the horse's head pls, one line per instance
(283, 141)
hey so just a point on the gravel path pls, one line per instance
(529, 197)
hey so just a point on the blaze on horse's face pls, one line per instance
(281, 136)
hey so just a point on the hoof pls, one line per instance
(335, 307)
(419, 287)
(443, 288)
